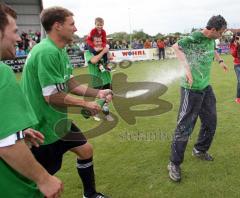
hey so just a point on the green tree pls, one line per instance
(140, 35)
(119, 36)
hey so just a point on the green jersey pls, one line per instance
(199, 51)
(16, 114)
(46, 65)
(14, 185)
(98, 78)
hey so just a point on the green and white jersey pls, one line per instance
(47, 65)
(199, 51)
(98, 78)
(16, 114)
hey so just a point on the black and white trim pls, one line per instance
(20, 135)
(61, 87)
(53, 89)
(82, 166)
(184, 106)
(11, 140)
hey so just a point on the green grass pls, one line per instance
(127, 166)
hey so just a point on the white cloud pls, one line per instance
(152, 16)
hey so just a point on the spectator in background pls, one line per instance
(76, 48)
(82, 50)
(154, 44)
(167, 42)
(28, 40)
(235, 51)
(82, 46)
(110, 43)
(117, 46)
(25, 40)
(134, 44)
(147, 44)
(20, 51)
(161, 49)
(31, 34)
(140, 44)
(172, 41)
(31, 43)
(124, 44)
(217, 44)
(37, 37)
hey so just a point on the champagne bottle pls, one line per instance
(86, 113)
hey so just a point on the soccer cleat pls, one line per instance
(109, 118)
(174, 172)
(97, 195)
(237, 100)
(202, 155)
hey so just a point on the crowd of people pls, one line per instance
(28, 40)
(139, 43)
(78, 48)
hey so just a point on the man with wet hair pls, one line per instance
(196, 53)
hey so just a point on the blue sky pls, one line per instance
(152, 16)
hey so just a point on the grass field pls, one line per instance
(127, 165)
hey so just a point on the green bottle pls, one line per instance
(86, 113)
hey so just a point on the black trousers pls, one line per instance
(161, 53)
(237, 71)
(194, 104)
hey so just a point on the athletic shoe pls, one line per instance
(237, 100)
(202, 155)
(174, 172)
(97, 195)
(109, 118)
(96, 118)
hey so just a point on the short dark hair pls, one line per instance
(5, 10)
(53, 14)
(217, 22)
(96, 36)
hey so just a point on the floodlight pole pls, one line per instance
(130, 27)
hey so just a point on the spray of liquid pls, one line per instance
(131, 94)
(166, 74)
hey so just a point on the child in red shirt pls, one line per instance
(99, 32)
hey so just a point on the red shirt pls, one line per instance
(234, 49)
(160, 44)
(95, 32)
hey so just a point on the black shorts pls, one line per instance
(107, 86)
(50, 156)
